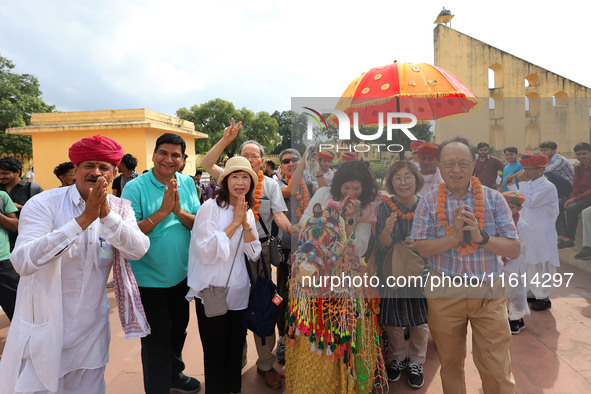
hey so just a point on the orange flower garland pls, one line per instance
(395, 209)
(257, 195)
(302, 200)
(461, 247)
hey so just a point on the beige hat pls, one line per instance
(238, 163)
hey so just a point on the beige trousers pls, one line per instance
(450, 310)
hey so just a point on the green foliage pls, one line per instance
(379, 171)
(292, 128)
(213, 116)
(20, 96)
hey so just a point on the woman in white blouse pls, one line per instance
(224, 230)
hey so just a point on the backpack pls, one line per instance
(261, 314)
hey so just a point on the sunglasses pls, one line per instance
(292, 160)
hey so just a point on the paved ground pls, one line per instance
(553, 354)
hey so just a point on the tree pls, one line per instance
(213, 116)
(20, 96)
(291, 128)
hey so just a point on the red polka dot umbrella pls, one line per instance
(426, 91)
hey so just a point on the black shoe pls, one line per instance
(565, 244)
(415, 376)
(540, 305)
(185, 385)
(585, 252)
(395, 369)
(516, 326)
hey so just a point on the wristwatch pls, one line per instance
(485, 237)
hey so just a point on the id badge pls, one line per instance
(105, 255)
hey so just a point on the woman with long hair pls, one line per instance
(224, 230)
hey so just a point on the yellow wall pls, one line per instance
(51, 149)
(509, 124)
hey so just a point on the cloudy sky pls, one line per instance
(164, 55)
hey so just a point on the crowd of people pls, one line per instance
(169, 240)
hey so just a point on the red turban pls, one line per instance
(514, 198)
(97, 148)
(349, 156)
(534, 160)
(416, 144)
(326, 155)
(428, 149)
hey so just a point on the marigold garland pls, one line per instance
(395, 209)
(461, 246)
(257, 195)
(302, 200)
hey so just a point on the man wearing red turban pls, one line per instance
(540, 211)
(325, 173)
(414, 146)
(69, 239)
(428, 167)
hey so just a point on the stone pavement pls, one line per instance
(552, 355)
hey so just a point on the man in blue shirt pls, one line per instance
(8, 276)
(512, 156)
(165, 203)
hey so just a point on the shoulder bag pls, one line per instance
(214, 297)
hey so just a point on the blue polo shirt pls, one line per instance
(165, 263)
(511, 169)
(6, 207)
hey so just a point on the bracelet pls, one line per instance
(245, 231)
(150, 220)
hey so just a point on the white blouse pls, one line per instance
(211, 253)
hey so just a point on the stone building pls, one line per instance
(135, 129)
(522, 103)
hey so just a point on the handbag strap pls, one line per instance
(234, 259)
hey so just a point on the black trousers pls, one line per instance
(283, 274)
(167, 311)
(568, 219)
(222, 338)
(8, 284)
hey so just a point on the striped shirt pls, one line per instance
(498, 222)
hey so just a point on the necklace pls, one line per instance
(302, 200)
(461, 247)
(257, 195)
(395, 209)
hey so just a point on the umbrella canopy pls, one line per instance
(426, 91)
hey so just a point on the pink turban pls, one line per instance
(428, 149)
(416, 144)
(534, 160)
(97, 148)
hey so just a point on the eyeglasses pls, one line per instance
(406, 179)
(292, 160)
(254, 156)
(451, 164)
(531, 168)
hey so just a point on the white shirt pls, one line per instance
(211, 253)
(432, 182)
(540, 211)
(61, 319)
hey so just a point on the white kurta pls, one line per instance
(211, 253)
(540, 211)
(514, 271)
(432, 182)
(61, 320)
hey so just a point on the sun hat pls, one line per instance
(238, 163)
